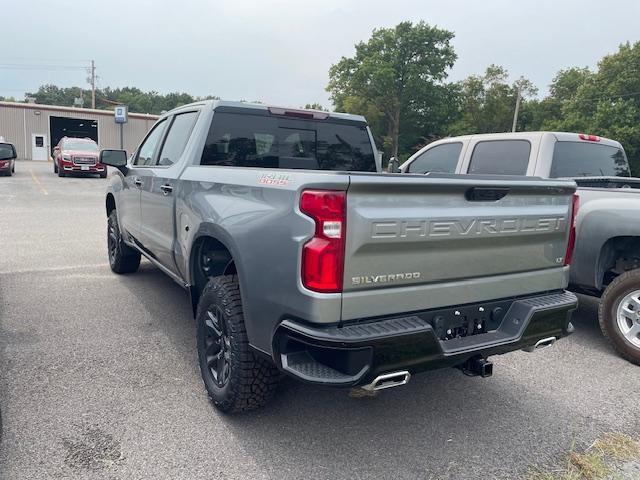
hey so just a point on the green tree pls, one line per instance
(607, 102)
(487, 102)
(547, 114)
(315, 106)
(54, 95)
(136, 99)
(397, 74)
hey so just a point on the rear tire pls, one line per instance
(235, 377)
(122, 258)
(619, 315)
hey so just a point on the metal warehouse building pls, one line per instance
(35, 129)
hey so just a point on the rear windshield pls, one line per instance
(76, 145)
(581, 159)
(242, 140)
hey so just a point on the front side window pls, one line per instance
(581, 159)
(441, 158)
(177, 138)
(246, 140)
(500, 157)
(146, 153)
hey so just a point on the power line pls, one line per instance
(622, 95)
(24, 66)
(48, 60)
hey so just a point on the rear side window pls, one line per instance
(244, 140)
(177, 138)
(582, 159)
(442, 158)
(500, 157)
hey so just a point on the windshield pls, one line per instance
(77, 145)
(579, 159)
(5, 151)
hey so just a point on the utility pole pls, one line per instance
(93, 84)
(515, 114)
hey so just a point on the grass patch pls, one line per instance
(618, 446)
(596, 462)
(590, 465)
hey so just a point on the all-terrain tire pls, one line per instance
(122, 258)
(251, 379)
(607, 314)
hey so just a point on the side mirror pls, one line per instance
(114, 158)
(394, 165)
(7, 151)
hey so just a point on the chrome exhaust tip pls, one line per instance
(540, 344)
(388, 380)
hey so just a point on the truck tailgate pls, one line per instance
(418, 242)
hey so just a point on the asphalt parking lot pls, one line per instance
(98, 378)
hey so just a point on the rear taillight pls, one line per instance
(323, 255)
(572, 229)
(589, 138)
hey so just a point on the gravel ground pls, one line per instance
(98, 378)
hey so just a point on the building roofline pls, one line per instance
(38, 106)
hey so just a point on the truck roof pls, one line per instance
(214, 104)
(560, 136)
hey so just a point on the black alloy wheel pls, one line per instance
(217, 346)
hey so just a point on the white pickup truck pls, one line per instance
(606, 259)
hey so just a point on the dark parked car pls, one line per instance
(7, 159)
(77, 155)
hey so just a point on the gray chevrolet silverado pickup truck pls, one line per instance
(301, 257)
(606, 259)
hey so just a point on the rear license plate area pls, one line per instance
(467, 320)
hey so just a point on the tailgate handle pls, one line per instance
(485, 194)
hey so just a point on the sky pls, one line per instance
(280, 51)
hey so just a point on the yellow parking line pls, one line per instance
(37, 182)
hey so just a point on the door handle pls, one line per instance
(137, 182)
(166, 189)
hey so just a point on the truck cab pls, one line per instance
(538, 154)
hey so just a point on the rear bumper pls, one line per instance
(356, 353)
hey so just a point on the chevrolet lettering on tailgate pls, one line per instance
(460, 228)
